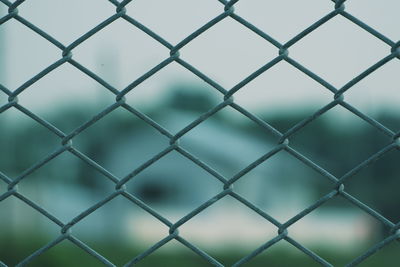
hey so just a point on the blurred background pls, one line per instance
(228, 141)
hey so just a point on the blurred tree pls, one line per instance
(338, 148)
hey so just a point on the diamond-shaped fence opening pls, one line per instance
(172, 133)
(170, 15)
(62, 26)
(273, 20)
(384, 78)
(251, 52)
(347, 45)
(266, 90)
(108, 52)
(66, 81)
(40, 54)
(370, 15)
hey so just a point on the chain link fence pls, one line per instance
(227, 100)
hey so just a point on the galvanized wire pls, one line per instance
(227, 10)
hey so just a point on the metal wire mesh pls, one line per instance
(227, 10)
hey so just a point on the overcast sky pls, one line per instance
(228, 52)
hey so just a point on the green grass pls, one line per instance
(13, 250)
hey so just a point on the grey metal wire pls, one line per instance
(227, 10)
